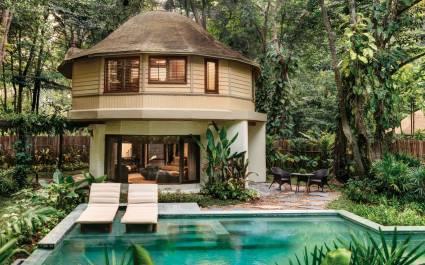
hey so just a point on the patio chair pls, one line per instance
(320, 178)
(103, 205)
(280, 176)
(142, 207)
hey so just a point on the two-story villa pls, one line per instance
(150, 87)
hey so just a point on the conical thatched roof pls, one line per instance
(156, 32)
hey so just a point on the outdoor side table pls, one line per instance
(303, 177)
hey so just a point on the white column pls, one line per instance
(97, 149)
(257, 151)
(241, 128)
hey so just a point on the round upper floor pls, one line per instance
(160, 61)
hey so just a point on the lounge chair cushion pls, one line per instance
(142, 193)
(98, 214)
(146, 213)
(108, 193)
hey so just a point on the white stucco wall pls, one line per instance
(257, 151)
(97, 149)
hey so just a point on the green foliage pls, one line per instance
(361, 190)
(397, 175)
(22, 163)
(26, 220)
(407, 159)
(218, 152)
(392, 175)
(340, 256)
(7, 181)
(231, 189)
(65, 193)
(312, 151)
(226, 170)
(383, 211)
(273, 155)
(8, 248)
(274, 95)
(134, 255)
(141, 256)
(372, 250)
(203, 200)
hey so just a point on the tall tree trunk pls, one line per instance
(4, 88)
(204, 13)
(24, 72)
(345, 126)
(38, 70)
(196, 13)
(4, 32)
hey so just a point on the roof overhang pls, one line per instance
(164, 114)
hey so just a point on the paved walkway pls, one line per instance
(274, 199)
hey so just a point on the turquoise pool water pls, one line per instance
(211, 240)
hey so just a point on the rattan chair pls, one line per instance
(320, 179)
(280, 176)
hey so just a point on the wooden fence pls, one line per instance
(81, 143)
(414, 148)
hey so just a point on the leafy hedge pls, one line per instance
(395, 176)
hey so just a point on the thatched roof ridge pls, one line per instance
(157, 32)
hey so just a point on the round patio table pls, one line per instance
(303, 177)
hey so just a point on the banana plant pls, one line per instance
(218, 151)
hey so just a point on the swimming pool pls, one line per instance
(216, 239)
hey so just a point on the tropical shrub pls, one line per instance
(300, 157)
(231, 189)
(22, 163)
(407, 159)
(65, 193)
(273, 154)
(361, 190)
(35, 212)
(9, 248)
(7, 182)
(226, 170)
(399, 175)
(371, 251)
(417, 175)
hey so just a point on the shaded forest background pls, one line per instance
(352, 69)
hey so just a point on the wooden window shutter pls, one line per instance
(122, 74)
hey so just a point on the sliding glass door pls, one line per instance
(152, 159)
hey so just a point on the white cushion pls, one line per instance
(98, 214)
(105, 193)
(146, 213)
(142, 193)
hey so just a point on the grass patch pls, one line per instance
(200, 199)
(386, 212)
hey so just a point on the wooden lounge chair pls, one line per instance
(142, 207)
(103, 205)
(281, 177)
